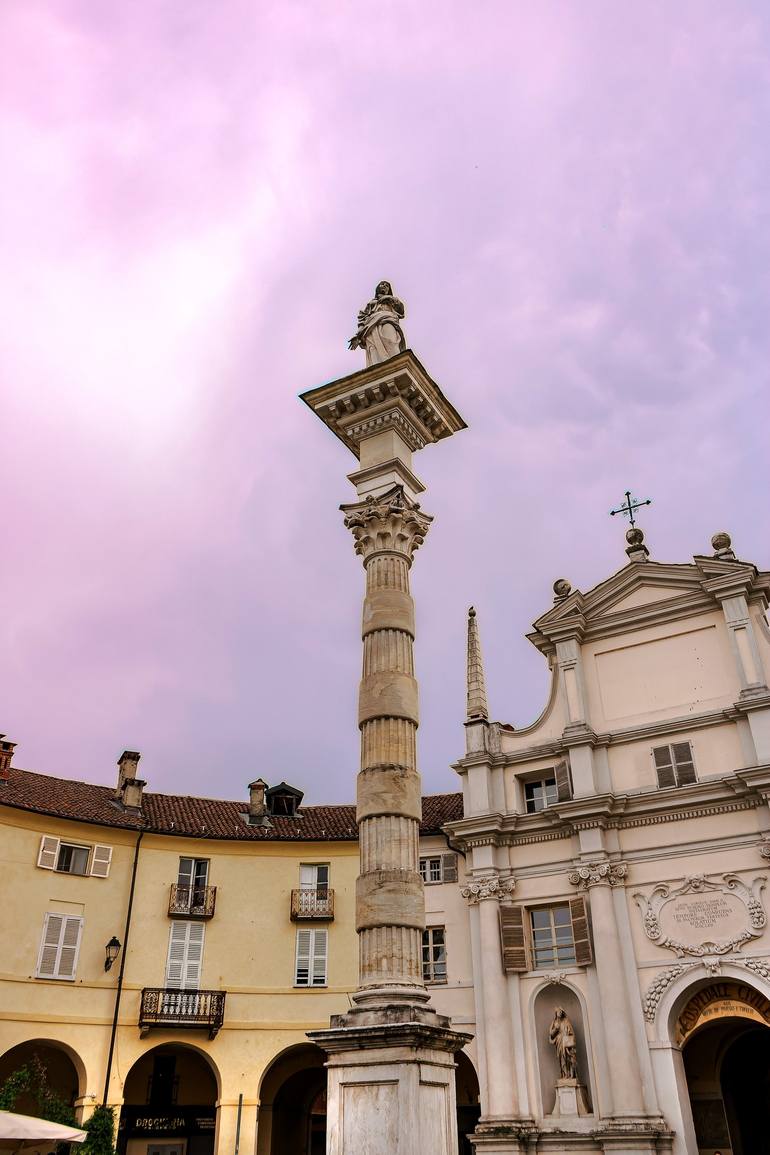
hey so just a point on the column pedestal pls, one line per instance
(571, 1099)
(391, 1082)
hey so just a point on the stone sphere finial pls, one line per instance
(634, 536)
(636, 549)
(561, 589)
(471, 612)
(722, 543)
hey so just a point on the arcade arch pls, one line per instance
(169, 1102)
(65, 1072)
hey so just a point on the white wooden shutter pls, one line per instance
(100, 861)
(319, 957)
(307, 877)
(59, 947)
(49, 852)
(185, 955)
(302, 959)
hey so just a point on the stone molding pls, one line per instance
(588, 874)
(390, 524)
(658, 988)
(390, 419)
(650, 907)
(764, 847)
(489, 886)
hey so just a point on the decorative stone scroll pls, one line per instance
(764, 847)
(704, 918)
(658, 988)
(589, 874)
(488, 886)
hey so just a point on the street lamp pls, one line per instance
(112, 950)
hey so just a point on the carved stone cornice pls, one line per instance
(588, 874)
(389, 524)
(488, 886)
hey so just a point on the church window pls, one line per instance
(540, 793)
(553, 943)
(439, 868)
(434, 954)
(674, 764)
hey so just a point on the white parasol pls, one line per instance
(24, 1131)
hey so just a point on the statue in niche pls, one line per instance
(562, 1036)
(379, 326)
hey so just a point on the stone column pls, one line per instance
(391, 1070)
(390, 911)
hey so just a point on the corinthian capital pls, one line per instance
(588, 874)
(488, 886)
(388, 524)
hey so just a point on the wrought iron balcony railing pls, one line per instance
(163, 1007)
(192, 901)
(308, 903)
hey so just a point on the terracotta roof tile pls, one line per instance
(199, 817)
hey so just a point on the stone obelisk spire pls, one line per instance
(383, 413)
(478, 710)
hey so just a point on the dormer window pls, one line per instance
(283, 801)
(674, 764)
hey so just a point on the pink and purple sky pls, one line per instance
(573, 202)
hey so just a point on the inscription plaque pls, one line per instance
(702, 917)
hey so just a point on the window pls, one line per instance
(439, 868)
(192, 880)
(674, 764)
(72, 858)
(545, 936)
(552, 786)
(185, 956)
(59, 947)
(552, 941)
(310, 959)
(539, 794)
(434, 955)
(314, 876)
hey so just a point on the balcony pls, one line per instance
(312, 904)
(201, 1010)
(192, 901)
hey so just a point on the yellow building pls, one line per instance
(235, 925)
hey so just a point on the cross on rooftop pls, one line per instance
(629, 506)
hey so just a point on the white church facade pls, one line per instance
(617, 858)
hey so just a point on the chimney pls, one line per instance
(130, 786)
(6, 754)
(257, 807)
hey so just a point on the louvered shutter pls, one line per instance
(320, 939)
(580, 931)
(512, 937)
(177, 954)
(70, 945)
(194, 960)
(664, 766)
(100, 861)
(302, 961)
(59, 947)
(449, 868)
(683, 761)
(49, 852)
(563, 781)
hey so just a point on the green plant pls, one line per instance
(33, 1079)
(101, 1132)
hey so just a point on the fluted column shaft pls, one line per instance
(390, 909)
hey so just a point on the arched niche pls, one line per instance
(547, 999)
(170, 1098)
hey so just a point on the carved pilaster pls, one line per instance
(588, 874)
(488, 886)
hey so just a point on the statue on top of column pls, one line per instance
(379, 326)
(562, 1036)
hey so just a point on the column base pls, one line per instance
(391, 1082)
(611, 1137)
(504, 1136)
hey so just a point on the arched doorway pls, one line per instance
(169, 1104)
(468, 1107)
(724, 1031)
(292, 1104)
(51, 1066)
